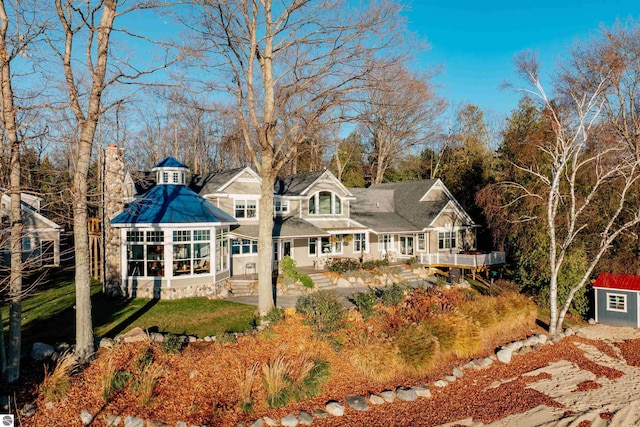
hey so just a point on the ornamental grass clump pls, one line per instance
(418, 347)
(245, 378)
(147, 380)
(375, 358)
(57, 381)
(456, 333)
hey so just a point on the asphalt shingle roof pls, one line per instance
(211, 183)
(294, 185)
(282, 228)
(171, 204)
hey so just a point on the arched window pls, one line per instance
(325, 203)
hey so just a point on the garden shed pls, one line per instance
(616, 299)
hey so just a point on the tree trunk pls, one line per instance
(84, 326)
(15, 287)
(265, 237)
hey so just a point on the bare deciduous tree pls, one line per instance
(399, 112)
(287, 64)
(582, 168)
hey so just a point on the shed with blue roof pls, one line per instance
(174, 241)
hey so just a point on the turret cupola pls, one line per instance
(170, 171)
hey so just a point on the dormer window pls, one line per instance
(325, 203)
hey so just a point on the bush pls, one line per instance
(394, 294)
(323, 309)
(366, 302)
(343, 265)
(418, 347)
(290, 273)
(172, 344)
(371, 264)
(274, 316)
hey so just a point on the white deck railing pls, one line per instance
(463, 260)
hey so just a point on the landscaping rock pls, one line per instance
(86, 417)
(157, 337)
(114, 420)
(457, 372)
(524, 350)
(136, 334)
(48, 405)
(132, 421)
(156, 423)
(504, 356)
(450, 378)
(289, 420)
(270, 421)
(441, 383)
(181, 424)
(388, 395)
(41, 351)
(319, 413)
(106, 343)
(406, 394)
(486, 362)
(305, 418)
(29, 409)
(357, 402)
(543, 338)
(259, 423)
(532, 341)
(335, 408)
(568, 332)
(208, 339)
(592, 321)
(374, 399)
(422, 391)
(343, 283)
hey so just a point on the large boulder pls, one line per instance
(41, 351)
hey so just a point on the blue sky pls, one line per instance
(476, 41)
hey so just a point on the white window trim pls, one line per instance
(451, 247)
(424, 240)
(624, 301)
(316, 197)
(241, 254)
(413, 246)
(245, 200)
(366, 243)
(392, 241)
(282, 211)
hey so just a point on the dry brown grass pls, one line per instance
(457, 333)
(376, 359)
(274, 379)
(245, 378)
(57, 381)
(146, 383)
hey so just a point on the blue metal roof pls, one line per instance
(171, 204)
(170, 162)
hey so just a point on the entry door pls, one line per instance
(406, 245)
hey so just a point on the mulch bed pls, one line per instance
(197, 389)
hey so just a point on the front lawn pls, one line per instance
(49, 314)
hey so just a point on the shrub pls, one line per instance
(293, 378)
(394, 294)
(274, 316)
(290, 273)
(343, 265)
(173, 344)
(145, 359)
(366, 302)
(120, 380)
(57, 381)
(323, 309)
(418, 347)
(375, 263)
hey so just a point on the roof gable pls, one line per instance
(618, 281)
(302, 184)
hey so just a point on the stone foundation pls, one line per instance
(151, 290)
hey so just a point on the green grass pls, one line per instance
(49, 316)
